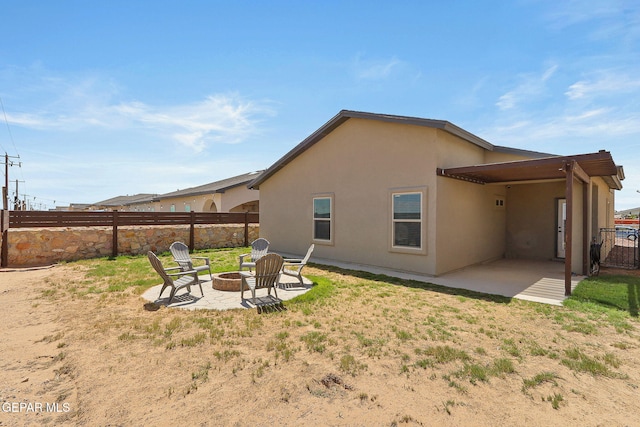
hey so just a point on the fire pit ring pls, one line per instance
(229, 282)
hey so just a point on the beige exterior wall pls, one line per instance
(240, 199)
(471, 226)
(362, 162)
(237, 199)
(578, 228)
(604, 209)
(532, 219)
(601, 215)
(497, 157)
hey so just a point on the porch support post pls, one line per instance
(581, 175)
(586, 188)
(573, 170)
(568, 233)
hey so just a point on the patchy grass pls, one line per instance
(577, 360)
(538, 379)
(605, 293)
(395, 339)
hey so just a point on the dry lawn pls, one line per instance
(370, 354)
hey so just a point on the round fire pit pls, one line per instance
(227, 282)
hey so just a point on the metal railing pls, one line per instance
(619, 247)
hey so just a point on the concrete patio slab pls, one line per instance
(531, 280)
(538, 281)
(226, 300)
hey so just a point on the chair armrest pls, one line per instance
(204, 258)
(292, 264)
(172, 268)
(182, 273)
(246, 274)
(243, 256)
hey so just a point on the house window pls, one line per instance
(407, 220)
(172, 208)
(322, 218)
(187, 207)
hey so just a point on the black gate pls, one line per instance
(619, 247)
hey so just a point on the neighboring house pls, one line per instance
(228, 195)
(425, 196)
(121, 203)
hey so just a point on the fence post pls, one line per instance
(192, 239)
(4, 228)
(114, 239)
(246, 228)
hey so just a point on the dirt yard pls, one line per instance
(371, 354)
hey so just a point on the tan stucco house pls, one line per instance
(425, 196)
(227, 195)
(123, 203)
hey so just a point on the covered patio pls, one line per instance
(530, 280)
(581, 222)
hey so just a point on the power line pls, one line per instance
(4, 113)
(42, 202)
(5, 189)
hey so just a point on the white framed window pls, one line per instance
(323, 219)
(187, 207)
(172, 208)
(407, 220)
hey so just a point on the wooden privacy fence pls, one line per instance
(115, 219)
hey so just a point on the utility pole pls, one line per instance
(5, 189)
(16, 199)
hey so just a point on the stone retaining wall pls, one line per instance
(44, 246)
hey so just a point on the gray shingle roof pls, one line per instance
(126, 200)
(212, 187)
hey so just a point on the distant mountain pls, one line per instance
(632, 211)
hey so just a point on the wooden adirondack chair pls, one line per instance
(174, 277)
(267, 275)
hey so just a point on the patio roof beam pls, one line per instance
(443, 172)
(550, 168)
(578, 172)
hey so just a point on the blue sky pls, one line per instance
(123, 97)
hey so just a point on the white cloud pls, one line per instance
(217, 119)
(570, 12)
(605, 83)
(607, 20)
(91, 102)
(530, 87)
(375, 69)
(567, 133)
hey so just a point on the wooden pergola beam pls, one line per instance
(578, 172)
